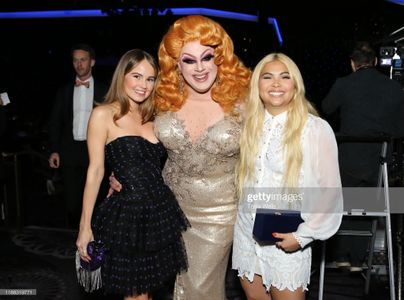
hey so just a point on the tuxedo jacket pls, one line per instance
(369, 104)
(72, 153)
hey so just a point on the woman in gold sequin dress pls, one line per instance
(201, 87)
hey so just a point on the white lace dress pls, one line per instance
(320, 205)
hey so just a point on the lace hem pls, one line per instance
(299, 241)
(278, 269)
(244, 274)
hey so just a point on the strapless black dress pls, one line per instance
(142, 225)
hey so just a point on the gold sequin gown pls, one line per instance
(201, 175)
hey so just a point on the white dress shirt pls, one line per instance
(83, 99)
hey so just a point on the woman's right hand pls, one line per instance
(85, 236)
(114, 185)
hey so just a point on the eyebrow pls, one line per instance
(282, 73)
(140, 74)
(203, 53)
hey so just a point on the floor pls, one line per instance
(40, 255)
(42, 258)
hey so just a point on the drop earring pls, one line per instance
(217, 80)
(180, 83)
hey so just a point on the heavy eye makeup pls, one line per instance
(208, 57)
(191, 60)
(188, 60)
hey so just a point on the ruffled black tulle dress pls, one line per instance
(141, 225)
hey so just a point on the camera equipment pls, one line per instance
(386, 56)
(392, 57)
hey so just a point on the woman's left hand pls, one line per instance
(85, 236)
(288, 242)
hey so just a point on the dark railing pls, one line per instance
(13, 187)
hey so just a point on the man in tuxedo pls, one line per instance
(369, 104)
(68, 128)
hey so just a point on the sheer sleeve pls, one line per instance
(322, 201)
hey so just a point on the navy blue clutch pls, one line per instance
(268, 221)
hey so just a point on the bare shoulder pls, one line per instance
(149, 124)
(103, 112)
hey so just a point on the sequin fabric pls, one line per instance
(201, 175)
(142, 225)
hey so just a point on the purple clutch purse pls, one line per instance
(96, 250)
(89, 273)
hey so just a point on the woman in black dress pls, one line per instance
(141, 226)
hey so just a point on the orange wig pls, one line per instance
(232, 78)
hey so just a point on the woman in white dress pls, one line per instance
(286, 149)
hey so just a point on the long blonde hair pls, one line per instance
(232, 78)
(298, 111)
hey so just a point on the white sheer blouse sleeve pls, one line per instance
(322, 201)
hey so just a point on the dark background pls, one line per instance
(35, 59)
(35, 53)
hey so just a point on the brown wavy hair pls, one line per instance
(232, 77)
(116, 92)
